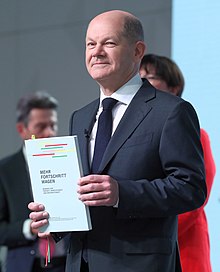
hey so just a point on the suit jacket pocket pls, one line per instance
(149, 246)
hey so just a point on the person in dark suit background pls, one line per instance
(193, 235)
(152, 168)
(36, 114)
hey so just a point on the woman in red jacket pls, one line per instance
(193, 236)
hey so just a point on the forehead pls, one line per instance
(39, 115)
(149, 68)
(106, 27)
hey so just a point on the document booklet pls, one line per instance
(55, 167)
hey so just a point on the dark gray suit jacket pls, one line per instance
(156, 156)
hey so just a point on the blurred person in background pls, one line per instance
(193, 236)
(36, 115)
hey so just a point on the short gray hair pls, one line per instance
(133, 29)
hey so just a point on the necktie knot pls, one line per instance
(108, 103)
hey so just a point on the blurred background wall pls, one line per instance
(42, 48)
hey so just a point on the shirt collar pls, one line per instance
(126, 92)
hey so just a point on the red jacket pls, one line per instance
(193, 233)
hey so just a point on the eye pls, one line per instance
(110, 43)
(90, 44)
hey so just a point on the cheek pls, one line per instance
(26, 135)
(161, 85)
(164, 86)
(87, 59)
(122, 65)
(154, 83)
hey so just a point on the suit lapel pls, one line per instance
(135, 113)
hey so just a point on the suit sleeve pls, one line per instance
(186, 220)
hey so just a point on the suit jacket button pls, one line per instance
(32, 252)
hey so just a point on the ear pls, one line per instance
(21, 129)
(140, 49)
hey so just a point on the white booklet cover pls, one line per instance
(55, 167)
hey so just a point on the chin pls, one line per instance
(99, 76)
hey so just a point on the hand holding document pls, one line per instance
(55, 167)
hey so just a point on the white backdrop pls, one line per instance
(195, 48)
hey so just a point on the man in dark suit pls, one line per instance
(36, 114)
(152, 168)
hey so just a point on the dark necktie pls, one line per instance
(104, 132)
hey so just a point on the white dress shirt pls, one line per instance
(124, 95)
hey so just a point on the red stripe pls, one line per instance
(54, 145)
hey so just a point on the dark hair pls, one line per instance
(133, 29)
(166, 69)
(37, 100)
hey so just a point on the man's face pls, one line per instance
(110, 59)
(42, 123)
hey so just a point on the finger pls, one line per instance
(94, 196)
(90, 179)
(88, 188)
(38, 224)
(44, 234)
(100, 202)
(33, 206)
(36, 216)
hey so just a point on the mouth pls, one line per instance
(99, 64)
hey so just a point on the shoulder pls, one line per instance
(157, 97)
(86, 110)
(175, 103)
(80, 118)
(88, 107)
(165, 103)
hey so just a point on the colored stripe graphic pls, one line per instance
(48, 145)
(45, 154)
(52, 147)
(61, 156)
(55, 148)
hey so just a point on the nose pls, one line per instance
(97, 51)
(143, 72)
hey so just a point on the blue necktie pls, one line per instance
(104, 132)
